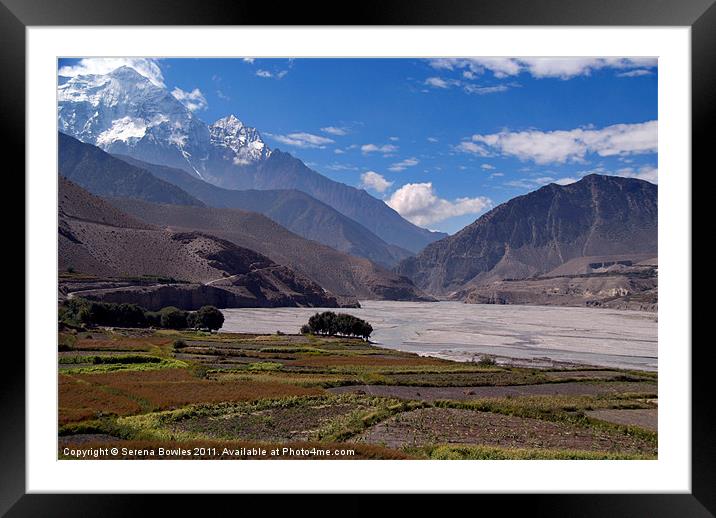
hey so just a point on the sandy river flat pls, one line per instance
(536, 334)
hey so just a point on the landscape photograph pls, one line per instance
(444, 258)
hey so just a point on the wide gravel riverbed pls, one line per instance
(522, 335)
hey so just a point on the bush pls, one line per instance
(486, 361)
(179, 344)
(329, 323)
(78, 311)
(173, 318)
(305, 329)
(208, 317)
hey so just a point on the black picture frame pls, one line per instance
(700, 15)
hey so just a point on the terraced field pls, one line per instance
(232, 396)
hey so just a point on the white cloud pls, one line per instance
(302, 140)
(194, 100)
(394, 139)
(372, 148)
(250, 61)
(438, 82)
(432, 139)
(636, 73)
(441, 83)
(374, 181)
(404, 164)
(563, 68)
(648, 173)
(335, 130)
(487, 167)
(566, 180)
(544, 147)
(418, 203)
(338, 151)
(149, 68)
(484, 90)
(268, 74)
(496, 175)
(471, 147)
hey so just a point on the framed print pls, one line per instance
(413, 251)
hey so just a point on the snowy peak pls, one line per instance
(244, 142)
(124, 112)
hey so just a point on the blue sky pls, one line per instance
(440, 140)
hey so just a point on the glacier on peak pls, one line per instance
(124, 112)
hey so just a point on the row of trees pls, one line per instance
(331, 324)
(92, 313)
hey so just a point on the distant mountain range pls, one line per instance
(97, 239)
(125, 113)
(129, 187)
(104, 175)
(293, 209)
(534, 234)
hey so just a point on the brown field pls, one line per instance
(459, 426)
(477, 392)
(244, 390)
(80, 400)
(366, 360)
(169, 388)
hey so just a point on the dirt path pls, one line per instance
(462, 393)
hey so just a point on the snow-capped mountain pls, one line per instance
(126, 114)
(243, 141)
(123, 112)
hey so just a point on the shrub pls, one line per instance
(486, 361)
(208, 317)
(179, 344)
(173, 318)
(305, 329)
(78, 311)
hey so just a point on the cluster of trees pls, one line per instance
(329, 323)
(92, 313)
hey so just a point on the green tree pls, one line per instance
(173, 318)
(209, 317)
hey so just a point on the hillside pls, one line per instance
(536, 233)
(104, 175)
(293, 209)
(96, 239)
(339, 273)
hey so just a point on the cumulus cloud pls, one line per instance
(335, 130)
(487, 167)
(250, 61)
(544, 147)
(374, 181)
(372, 148)
(562, 68)
(404, 164)
(194, 100)
(420, 204)
(302, 140)
(149, 68)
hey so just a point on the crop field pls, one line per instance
(230, 396)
